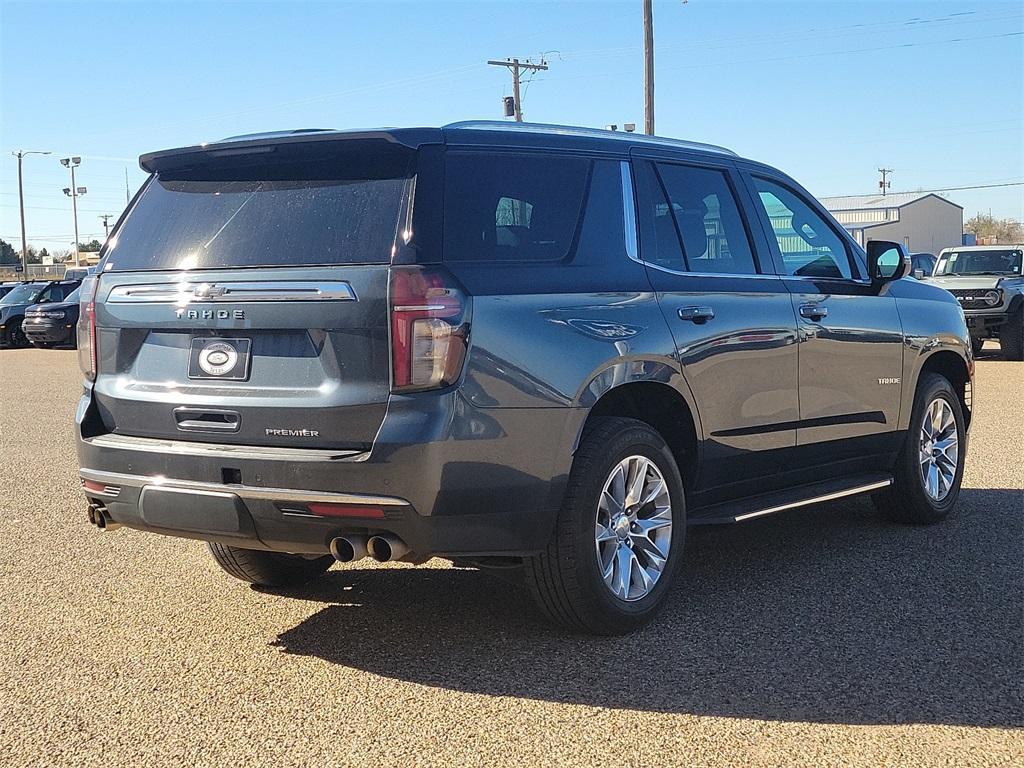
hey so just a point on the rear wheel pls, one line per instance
(268, 569)
(619, 536)
(931, 465)
(1011, 336)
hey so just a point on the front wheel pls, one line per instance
(16, 336)
(931, 466)
(619, 537)
(268, 569)
(1011, 336)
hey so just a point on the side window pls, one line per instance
(659, 239)
(511, 207)
(809, 245)
(53, 293)
(708, 220)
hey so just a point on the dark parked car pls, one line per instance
(922, 264)
(538, 349)
(988, 281)
(50, 325)
(14, 304)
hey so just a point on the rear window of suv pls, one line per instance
(334, 211)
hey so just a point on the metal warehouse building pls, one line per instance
(922, 221)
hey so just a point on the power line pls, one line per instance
(943, 189)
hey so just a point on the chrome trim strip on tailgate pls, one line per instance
(242, 491)
(184, 293)
(189, 448)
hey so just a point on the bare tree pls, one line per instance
(984, 225)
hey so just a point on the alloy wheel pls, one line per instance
(939, 449)
(633, 531)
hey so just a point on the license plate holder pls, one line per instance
(220, 358)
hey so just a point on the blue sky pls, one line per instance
(828, 91)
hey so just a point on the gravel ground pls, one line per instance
(818, 637)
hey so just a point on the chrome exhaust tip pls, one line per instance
(348, 548)
(386, 547)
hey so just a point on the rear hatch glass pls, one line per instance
(244, 300)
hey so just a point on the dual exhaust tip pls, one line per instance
(382, 548)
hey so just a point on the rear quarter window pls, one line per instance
(511, 206)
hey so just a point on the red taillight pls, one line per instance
(86, 331)
(429, 332)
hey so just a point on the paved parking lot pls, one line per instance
(818, 637)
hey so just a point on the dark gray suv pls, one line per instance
(541, 349)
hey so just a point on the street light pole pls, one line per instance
(21, 205)
(73, 192)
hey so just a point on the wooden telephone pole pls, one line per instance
(648, 68)
(515, 66)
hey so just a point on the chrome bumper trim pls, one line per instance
(188, 448)
(242, 491)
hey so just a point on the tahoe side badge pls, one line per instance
(226, 359)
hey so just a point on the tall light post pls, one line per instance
(21, 204)
(73, 192)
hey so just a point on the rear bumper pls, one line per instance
(444, 477)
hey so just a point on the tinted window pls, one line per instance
(981, 262)
(708, 220)
(334, 211)
(809, 246)
(23, 294)
(659, 237)
(505, 207)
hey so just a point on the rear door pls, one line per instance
(243, 300)
(731, 316)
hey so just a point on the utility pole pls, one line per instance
(514, 66)
(106, 227)
(21, 205)
(73, 192)
(884, 184)
(127, 194)
(648, 68)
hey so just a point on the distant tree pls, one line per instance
(32, 257)
(91, 247)
(1003, 230)
(61, 255)
(7, 253)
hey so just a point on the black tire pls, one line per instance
(16, 336)
(907, 501)
(1011, 336)
(268, 569)
(565, 579)
(977, 345)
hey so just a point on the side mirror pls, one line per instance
(887, 261)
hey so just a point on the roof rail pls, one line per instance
(596, 133)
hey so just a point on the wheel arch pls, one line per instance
(957, 370)
(662, 404)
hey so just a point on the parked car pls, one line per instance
(987, 281)
(14, 304)
(541, 349)
(922, 264)
(6, 288)
(53, 324)
(79, 273)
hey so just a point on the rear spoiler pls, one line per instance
(292, 141)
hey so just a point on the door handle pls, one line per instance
(813, 311)
(696, 314)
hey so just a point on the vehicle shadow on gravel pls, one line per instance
(824, 615)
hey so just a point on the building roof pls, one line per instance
(876, 201)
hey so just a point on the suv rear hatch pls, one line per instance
(243, 299)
